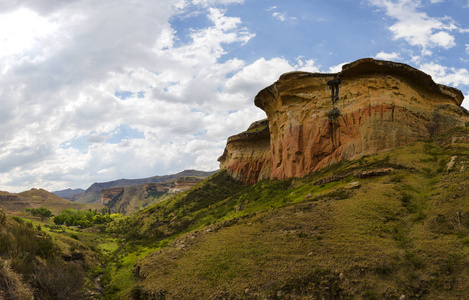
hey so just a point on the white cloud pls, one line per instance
(62, 121)
(416, 27)
(20, 29)
(206, 3)
(446, 75)
(251, 79)
(467, 48)
(279, 16)
(388, 56)
(336, 68)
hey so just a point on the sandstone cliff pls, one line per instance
(247, 155)
(128, 199)
(93, 193)
(316, 119)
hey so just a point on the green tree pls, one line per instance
(42, 212)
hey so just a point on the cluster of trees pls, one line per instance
(84, 219)
(41, 212)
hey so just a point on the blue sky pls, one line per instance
(94, 91)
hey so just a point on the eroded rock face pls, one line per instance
(127, 199)
(109, 194)
(247, 155)
(380, 106)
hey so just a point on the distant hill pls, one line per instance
(68, 193)
(36, 198)
(131, 198)
(93, 193)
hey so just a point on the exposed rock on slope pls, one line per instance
(93, 193)
(247, 155)
(128, 199)
(380, 106)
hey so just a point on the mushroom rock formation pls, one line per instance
(317, 119)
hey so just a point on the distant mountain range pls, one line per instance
(68, 193)
(93, 193)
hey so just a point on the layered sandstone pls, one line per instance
(128, 199)
(381, 105)
(247, 155)
(109, 194)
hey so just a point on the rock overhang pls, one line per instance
(370, 66)
(382, 105)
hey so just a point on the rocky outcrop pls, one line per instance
(93, 193)
(315, 120)
(247, 155)
(109, 194)
(130, 198)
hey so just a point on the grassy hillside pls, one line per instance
(36, 198)
(387, 225)
(32, 264)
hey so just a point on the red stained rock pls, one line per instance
(382, 105)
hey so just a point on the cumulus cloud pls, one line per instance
(207, 3)
(388, 56)
(446, 75)
(94, 93)
(416, 27)
(279, 16)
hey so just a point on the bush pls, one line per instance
(42, 212)
(139, 293)
(84, 219)
(11, 283)
(2, 217)
(59, 280)
(408, 202)
(18, 219)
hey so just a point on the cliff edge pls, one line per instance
(315, 119)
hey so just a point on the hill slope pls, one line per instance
(380, 227)
(129, 199)
(93, 194)
(68, 193)
(36, 198)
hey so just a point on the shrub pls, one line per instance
(18, 219)
(42, 212)
(2, 217)
(59, 280)
(139, 293)
(416, 260)
(408, 203)
(11, 283)
(397, 178)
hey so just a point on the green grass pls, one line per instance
(395, 230)
(402, 233)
